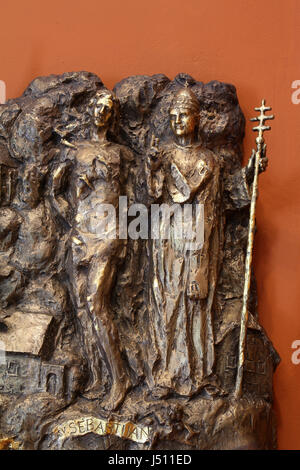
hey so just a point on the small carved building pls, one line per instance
(22, 368)
(261, 358)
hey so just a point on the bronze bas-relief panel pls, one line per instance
(121, 326)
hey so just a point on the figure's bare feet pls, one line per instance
(213, 388)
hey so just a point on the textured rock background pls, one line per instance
(34, 260)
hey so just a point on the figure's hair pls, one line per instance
(187, 99)
(116, 105)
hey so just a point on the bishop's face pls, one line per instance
(183, 121)
(103, 111)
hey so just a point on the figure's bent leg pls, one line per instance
(78, 274)
(100, 281)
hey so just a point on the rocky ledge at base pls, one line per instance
(161, 425)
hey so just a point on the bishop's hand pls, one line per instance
(193, 291)
(154, 153)
(263, 163)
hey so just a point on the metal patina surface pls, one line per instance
(110, 336)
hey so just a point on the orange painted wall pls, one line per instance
(250, 43)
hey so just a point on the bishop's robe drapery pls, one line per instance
(181, 352)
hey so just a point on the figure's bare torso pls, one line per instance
(97, 182)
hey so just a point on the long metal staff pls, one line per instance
(244, 315)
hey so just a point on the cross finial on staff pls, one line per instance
(261, 148)
(262, 118)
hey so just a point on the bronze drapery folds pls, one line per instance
(117, 330)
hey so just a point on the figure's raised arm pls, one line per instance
(154, 170)
(58, 185)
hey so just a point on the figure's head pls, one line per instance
(104, 108)
(184, 113)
